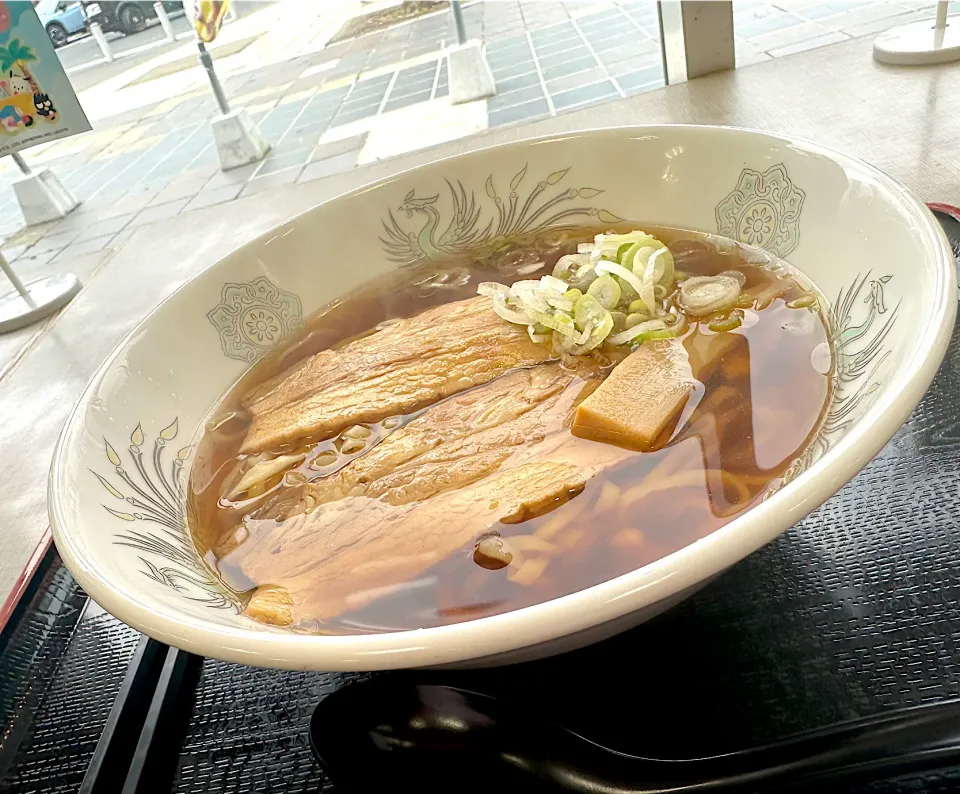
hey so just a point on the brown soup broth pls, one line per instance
(752, 416)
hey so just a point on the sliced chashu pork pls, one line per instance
(400, 369)
(502, 453)
(452, 444)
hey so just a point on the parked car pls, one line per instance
(61, 19)
(125, 16)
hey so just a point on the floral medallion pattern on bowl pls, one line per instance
(763, 210)
(255, 317)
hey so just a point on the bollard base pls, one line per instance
(46, 294)
(470, 75)
(238, 140)
(917, 44)
(42, 197)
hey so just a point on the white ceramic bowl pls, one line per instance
(115, 496)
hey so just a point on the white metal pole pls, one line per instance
(97, 32)
(940, 28)
(164, 21)
(15, 280)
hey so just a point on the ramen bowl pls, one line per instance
(116, 491)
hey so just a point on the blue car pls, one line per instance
(61, 19)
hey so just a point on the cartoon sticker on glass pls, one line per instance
(37, 102)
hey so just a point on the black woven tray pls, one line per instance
(854, 611)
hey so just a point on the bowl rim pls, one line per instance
(582, 610)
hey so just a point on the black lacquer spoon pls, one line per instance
(374, 736)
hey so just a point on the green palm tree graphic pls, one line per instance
(16, 53)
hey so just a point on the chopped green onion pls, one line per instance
(701, 296)
(664, 269)
(536, 338)
(738, 275)
(510, 315)
(600, 332)
(608, 245)
(627, 257)
(562, 323)
(622, 272)
(584, 277)
(802, 302)
(647, 294)
(606, 290)
(728, 323)
(641, 259)
(569, 264)
(627, 293)
(590, 295)
(491, 289)
(529, 294)
(561, 304)
(642, 330)
(525, 284)
(557, 285)
(588, 309)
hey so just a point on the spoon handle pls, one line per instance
(367, 734)
(896, 743)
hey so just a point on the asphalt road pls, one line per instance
(83, 51)
(85, 64)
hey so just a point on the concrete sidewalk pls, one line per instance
(324, 108)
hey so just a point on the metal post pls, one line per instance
(207, 62)
(458, 21)
(17, 283)
(21, 164)
(942, 8)
(940, 28)
(164, 21)
(97, 32)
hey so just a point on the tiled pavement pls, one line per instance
(547, 56)
(159, 161)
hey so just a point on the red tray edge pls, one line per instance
(23, 581)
